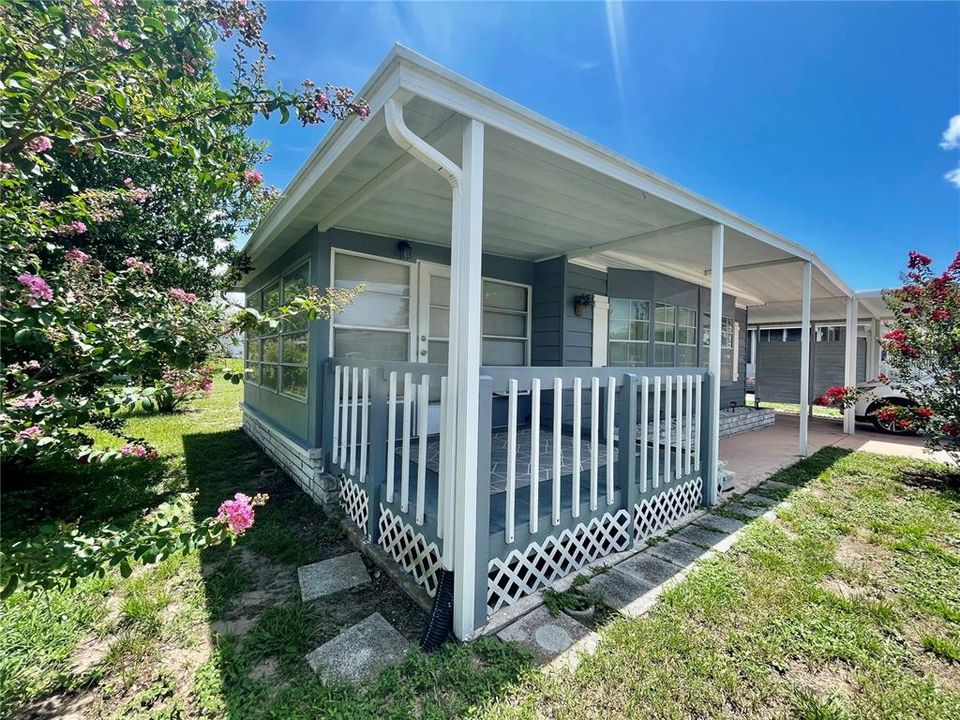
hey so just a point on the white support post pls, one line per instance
(805, 358)
(850, 361)
(873, 350)
(716, 332)
(601, 320)
(464, 369)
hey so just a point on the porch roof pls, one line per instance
(547, 192)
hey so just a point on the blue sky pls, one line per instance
(821, 121)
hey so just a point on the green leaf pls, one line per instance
(109, 122)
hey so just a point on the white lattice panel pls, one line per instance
(524, 571)
(355, 503)
(658, 512)
(411, 549)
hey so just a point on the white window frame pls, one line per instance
(411, 301)
(414, 319)
(651, 334)
(303, 262)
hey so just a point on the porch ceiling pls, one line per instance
(546, 193)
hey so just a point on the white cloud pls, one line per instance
(953, 177)
(617, 34)
(951, 136)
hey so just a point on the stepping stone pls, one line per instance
(720, 523)
(359, 653)
(544, 635)
(333, 575)
(700, 536)
(617, 589)
(679, 553)
(648, 569)
(759, 500)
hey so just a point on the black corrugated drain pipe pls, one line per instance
(440, 622)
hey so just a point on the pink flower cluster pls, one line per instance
(5, 167)
(72, 228)
(237, 513)
(139, 451)
(252, 177)
(917, 260)
(37, 145)
(36, 287)
(135, 194)
(139, 265)
(98, 26)
(29, 401)
(30, 433)
(183, 295)
(77, 255)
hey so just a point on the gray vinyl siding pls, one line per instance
(548, 315)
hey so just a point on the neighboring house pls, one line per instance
(535, 305)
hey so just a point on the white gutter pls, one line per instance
(416, 146)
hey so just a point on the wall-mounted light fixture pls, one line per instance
(405, 250)
(581, 303)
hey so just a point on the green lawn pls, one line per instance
(847, 607)
(818, 410)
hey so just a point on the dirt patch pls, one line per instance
(855, 552)
(88, 655)
(264, 670)
(62, 707)
(843, 589)
(825, 680)
(238, 627)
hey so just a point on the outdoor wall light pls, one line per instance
(404, 250)
(581, 303)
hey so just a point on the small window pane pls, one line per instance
(440, 291)
(295, 349)
(628, 354)
(686, 356)
(665, 355)
(379, 276)
(438, 351)
(294, 380)
(370, 345)
(270, 350)
(253, 372)
(504, 352)
(502, 323)
(253, 350)
(439, 322)
(376, 309)
(271, 297)
(665, 323)
(506, 297)
(268, 376)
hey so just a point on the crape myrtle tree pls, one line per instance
(923, 351)
(125, 173)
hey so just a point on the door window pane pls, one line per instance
(438, 351)
(503, 296)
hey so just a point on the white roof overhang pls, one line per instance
(547, 192)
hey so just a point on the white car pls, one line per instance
(878, 395)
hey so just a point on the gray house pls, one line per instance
(549, 338)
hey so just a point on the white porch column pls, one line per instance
(464, 374)
(716, 333)
(850, 361)
(805, 358)
(600, 335)
(873, 350)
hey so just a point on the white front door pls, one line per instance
(433, 310)
(433, 326)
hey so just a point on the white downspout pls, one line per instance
(424, 152)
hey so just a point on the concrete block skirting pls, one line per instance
(304, 465)
(742, 419)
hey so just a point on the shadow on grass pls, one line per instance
(263, 630)
(115, 493)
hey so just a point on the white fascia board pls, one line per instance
(438, 84)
